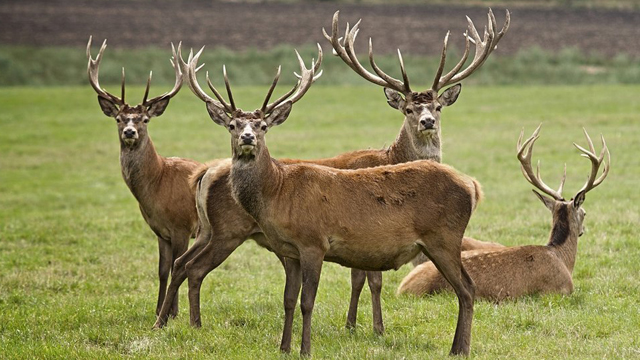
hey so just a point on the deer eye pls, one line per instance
(231, 126)
(409, 111)
(264, 127)
(146, 121)
(439, 108)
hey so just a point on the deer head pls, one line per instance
(247, 129)
(555, 202)
(131, 120)
(421, 109)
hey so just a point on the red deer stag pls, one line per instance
(414, 142)
(523, 270)
(371, 219)
(420, 137)
(159, 184)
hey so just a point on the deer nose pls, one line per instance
(129, 133)
(247, 138)
(428, 123)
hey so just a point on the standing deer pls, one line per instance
(371, 219)
(415, 141)
(523, 270)
(420, 137)
(159, 184)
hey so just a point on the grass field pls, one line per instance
(78, 263)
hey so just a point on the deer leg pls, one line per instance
(291, 292)
(208, 259)
(446, 258)
(179, 275)
(374, 278)
(164, 268)
(357, 283)
(179, 244)
(311, 266)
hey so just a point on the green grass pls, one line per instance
(78, 264)
(59, 66)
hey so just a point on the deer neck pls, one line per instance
(563, 240)
(254, 179)
(141, 167)
(407, 147)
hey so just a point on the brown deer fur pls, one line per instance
(513, 272)
(410, 144)
(160, 185)
(371, 219)
(523, 270)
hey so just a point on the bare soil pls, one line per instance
(237, 26)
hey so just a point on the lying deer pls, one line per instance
(159, 184)
(371, 219)
(523, 270)
(419, 138)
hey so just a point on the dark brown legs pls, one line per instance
(448, 262)
(375, 285)
(291, 292)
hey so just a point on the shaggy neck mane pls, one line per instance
(252, 178)
(564, 237)
(141, 166)
(407, 148)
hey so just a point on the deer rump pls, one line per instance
(370, 219)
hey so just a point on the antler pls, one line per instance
(305, 79)
(179, 78)
(596, 162)
(483, 49)
(93, 68)
(195, 86)
(347, 53)
(524, 155)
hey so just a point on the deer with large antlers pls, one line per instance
(373, 219)
(523, 270)
(415, 141)
(160, 185)
(420, 137)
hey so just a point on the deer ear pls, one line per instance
(549, 203)
(279, 114)
(158, 107)
(218, 115)
(394, 99)
(450, 95)
(579, 199)
(108, 107)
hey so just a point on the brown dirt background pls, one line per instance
(237, 26)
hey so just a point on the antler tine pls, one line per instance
(525, 151)
(318, 63)
(392, 83)
(179, 77)
(346, 52)
(270, 92)
(226, 84)
(305, 80)
(443, 58)
(193, 81)
(122, 91)
(93, 69)
(445, 79)
(315, 65)
(596, 162)
(221, 100)
(504, 29)
(484, 47)
(146, 91)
